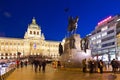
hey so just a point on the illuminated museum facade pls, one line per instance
(33, 43)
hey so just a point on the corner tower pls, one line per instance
(34, 31)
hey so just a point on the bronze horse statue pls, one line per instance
(72, 24)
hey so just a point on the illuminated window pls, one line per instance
(98, 41)
(104, 28)
(104, 34)
(93, 38)
(99, 46)
(98, 36)
(94, 42)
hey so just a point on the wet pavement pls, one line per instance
(28, 73)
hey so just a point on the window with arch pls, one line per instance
(1, 57)
(30, 32)
(6, 43)
(34, 32)
(37, 33)
(2, 54)
(14, 54)
(6, 54)
(6, 57)
(10, 54)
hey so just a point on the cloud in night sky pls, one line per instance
(7, 14)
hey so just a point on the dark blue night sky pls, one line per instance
(15, 15)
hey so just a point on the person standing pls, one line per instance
(21, 63)
(36, 63)
(43, 65)
(100, 66)
(84, 65)
(17, 63)
(91, 66)
(40, 64)
(114, 64)
(25, 63)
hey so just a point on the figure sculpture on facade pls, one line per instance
(72, 43)
(72, 24)
(60, 49)
(84, 44)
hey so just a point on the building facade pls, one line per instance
(33, 43)
(104, 41)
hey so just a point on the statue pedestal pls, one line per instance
(73, 55)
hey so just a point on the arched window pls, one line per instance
(2, 54)
(6, 54)
(6, 57)
(37, 33)
(30, 32)
(14, 54)
(10, 54)
(1, 57)
(34, 32)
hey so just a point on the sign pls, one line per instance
(105, 20)
(34, 45)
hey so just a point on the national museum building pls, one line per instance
(34, 43)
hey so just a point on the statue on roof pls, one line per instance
(33, 20)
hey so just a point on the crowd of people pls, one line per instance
(39, 63)
(36, 64)
(21, 63)
(99, 65)
(87, 65)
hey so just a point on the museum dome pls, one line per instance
(34, 25)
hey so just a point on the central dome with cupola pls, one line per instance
(34, 31)
(34, 25)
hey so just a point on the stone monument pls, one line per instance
(73, 55)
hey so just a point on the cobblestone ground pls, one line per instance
(27, 73)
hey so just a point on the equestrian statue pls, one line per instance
(72, 24)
